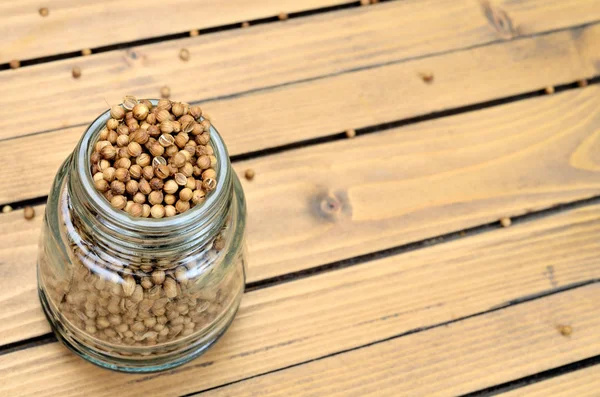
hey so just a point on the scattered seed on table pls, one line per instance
(249, 174)
(582, 83)
(351, 133)
(28, 212)
(184, 54)
(14, 64)
(194, 32)
(44, 11)
(565, 330)
(549, 90)
(86, 52)
(6, 209)
(76, 72)
(245, 24)
(283, 16)
(505, 222)
(427, 77)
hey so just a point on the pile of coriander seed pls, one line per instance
(154, 161)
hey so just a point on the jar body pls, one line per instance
(135, 301)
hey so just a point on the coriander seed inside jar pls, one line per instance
(141, 263)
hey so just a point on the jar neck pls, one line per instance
(118, 229)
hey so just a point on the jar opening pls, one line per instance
(83, 190)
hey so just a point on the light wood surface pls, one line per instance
(74, 25)
(325, 45)
(451, 173)
(451, 360)
(310, 318)
(582, 383)
(369, 313)
(351, 100)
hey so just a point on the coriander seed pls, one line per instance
(86, 52)
(14, 64)
(129, 103)
(140, 111)
(6, 209)
(181, 206)
(184, 54)
(170, 186)
(28, 212)
(117, 112)
(44, 11)
(76, 72)
(245, 24)
(249, 174)
(170, 199)
(118, 202)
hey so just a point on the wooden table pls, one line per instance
(378, 264)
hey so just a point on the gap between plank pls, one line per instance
(398, 250)
(338, 136)
(182, 35)
(411, 120)
(409, 332)
(535, 378)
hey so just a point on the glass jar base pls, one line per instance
(162, 363)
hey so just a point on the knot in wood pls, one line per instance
(499, 20)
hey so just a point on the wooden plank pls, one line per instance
(350, 100)
(410, 184)
(274, 54)
(73, 26)
(448, 361)
(580, 383)
(313, 317)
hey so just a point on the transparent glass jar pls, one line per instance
(140, 294)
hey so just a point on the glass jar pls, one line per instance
(140, 294)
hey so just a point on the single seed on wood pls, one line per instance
(44, 11)
(194, 32)
(565, 330)
(364, 2)
(14, 64)
(283, 16)
(76, 72)
(582, 83)
(6, 209)
(165, 92)
(28, 212)
(245, 24)
(249, 174)
(86, 52)
(549, 90)
(184, 54)
(351, 133)
(505, 222)
(427, 77)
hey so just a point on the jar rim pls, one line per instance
(205, 211)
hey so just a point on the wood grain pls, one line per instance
(350, 100)
(320, 204)
(580, 383)
(235, 62)
(73, 26)
(448, 361)
(310, 318)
